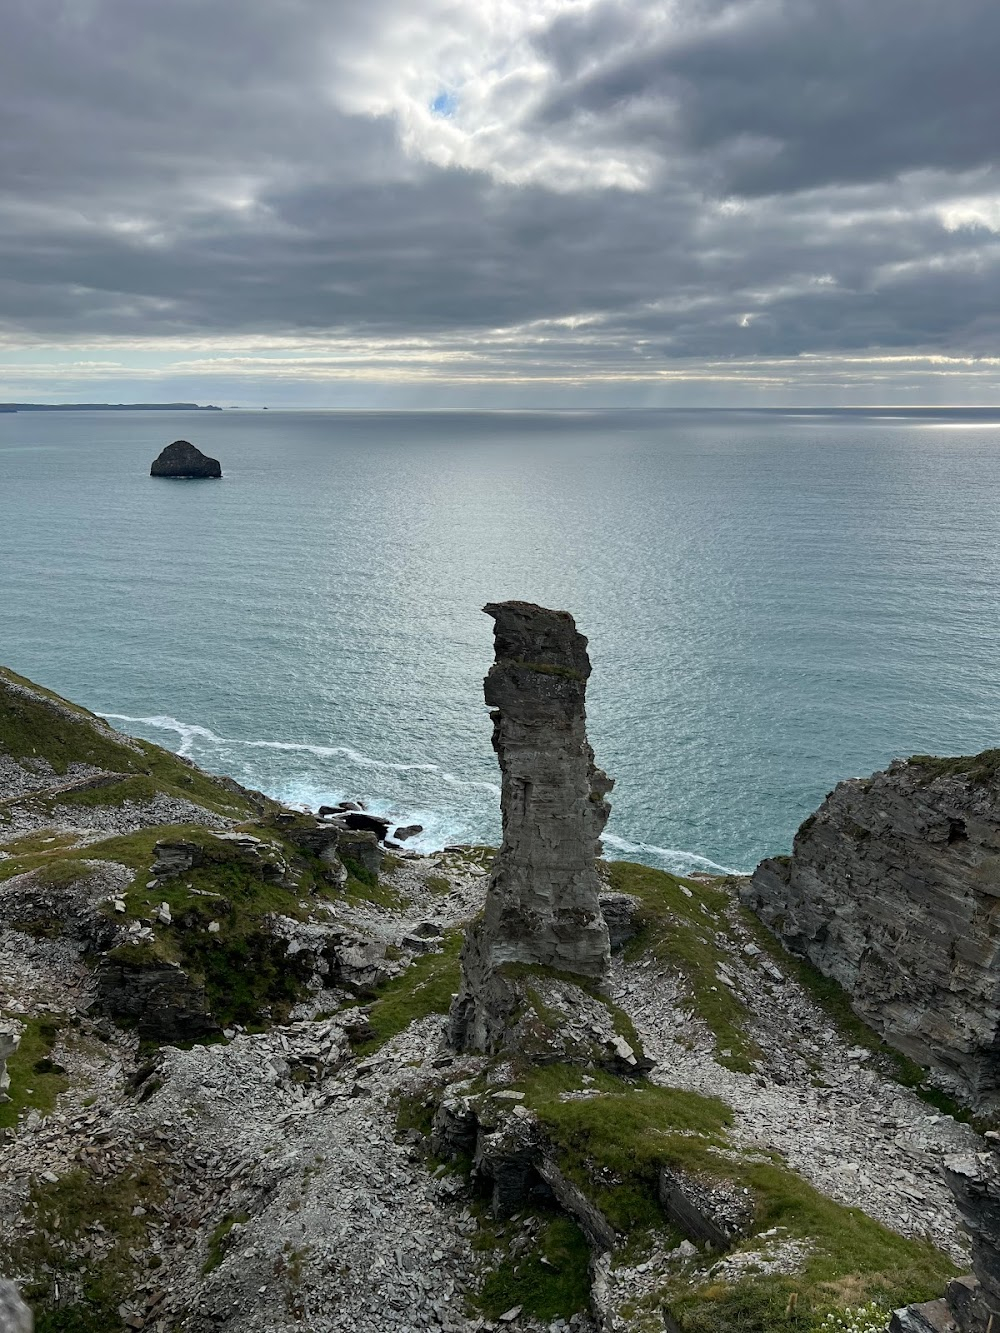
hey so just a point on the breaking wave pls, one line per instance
(676, 860)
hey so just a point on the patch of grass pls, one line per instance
(370, 889)
(426, 987)
(549, 1278)
(82, 1207)
(41, 726)
(680, 929)
(613, 1145)
(35, 1082)
(982, 770)
(44, 841)
(438, 884)
(218, 1238)
(850, 1252)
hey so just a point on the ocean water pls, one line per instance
(774, 601)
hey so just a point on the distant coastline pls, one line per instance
(108, 407)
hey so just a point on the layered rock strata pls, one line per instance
(183, 459)
(542, 906)
(893, 889)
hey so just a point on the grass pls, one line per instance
(980, 769)
(41, 726)
(426, 987)
(613, 1145)
(549, 1279)
(853, 1259)
(35, 1081)
(218, 1238)
(681, 930)
(63, 1215)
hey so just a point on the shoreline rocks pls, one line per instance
(184, 460)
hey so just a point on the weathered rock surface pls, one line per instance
(893, 889)
(542, 901)
(183, 459)
(975, 1183)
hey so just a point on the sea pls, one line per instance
(775, 601)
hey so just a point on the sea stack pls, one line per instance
(542, 907)
(183, 459)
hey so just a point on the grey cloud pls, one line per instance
(131, 131)
(790, 95)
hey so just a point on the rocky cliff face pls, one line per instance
(542, 904)
(893, 889)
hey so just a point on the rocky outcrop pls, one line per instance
(893, 889)
(975, 1183)
(542, 901)
(162, 1002)
(183, 459)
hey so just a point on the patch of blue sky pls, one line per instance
(444, 104)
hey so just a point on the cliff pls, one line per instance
(893, 889)
(234, 1105)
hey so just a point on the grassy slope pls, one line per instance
(41, 726)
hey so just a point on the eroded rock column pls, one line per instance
(542, 901)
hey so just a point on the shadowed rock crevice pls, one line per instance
(542, 907)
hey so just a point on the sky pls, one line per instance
(490, 203)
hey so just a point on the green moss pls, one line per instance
(218, 1238)
(680, 930)
(370, 890)
(550, 1279)
(544, 668)
(981, 770)
(63, 1214)
(35, 1082)
(426, 987)
(438, 884)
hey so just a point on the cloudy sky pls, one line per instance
(500, 202)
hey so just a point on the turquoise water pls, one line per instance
(774, 602)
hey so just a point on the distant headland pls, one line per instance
(108, 407)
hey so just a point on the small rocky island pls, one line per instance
(183, 459)
(264, 1070)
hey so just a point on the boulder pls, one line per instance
(407, 831)
(362, 848)
(183, 459)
